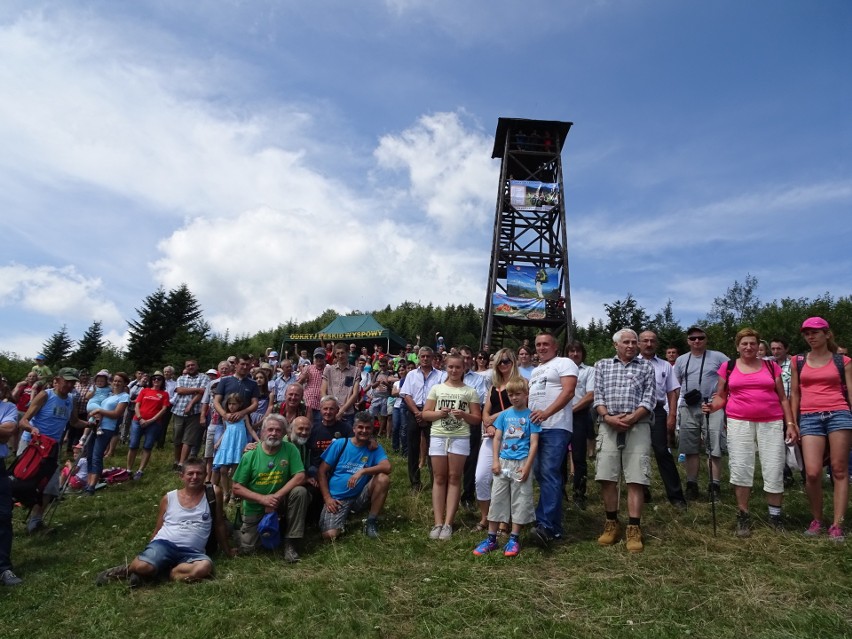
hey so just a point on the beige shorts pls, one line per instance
(634, 460)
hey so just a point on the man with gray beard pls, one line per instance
(270, 478)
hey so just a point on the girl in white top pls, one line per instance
(452, 407)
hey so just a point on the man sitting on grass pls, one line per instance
(184, 524)
(353, 474)
(268, 479)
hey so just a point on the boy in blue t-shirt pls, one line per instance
(353, 474)
(515, 447)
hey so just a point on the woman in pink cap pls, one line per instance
(819, 395)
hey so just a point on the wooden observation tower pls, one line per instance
(528, 286)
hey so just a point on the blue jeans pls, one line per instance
(165, 555)
(151, 433)
(96, 463)
(552, 448)
(5, 519)
(399, 440)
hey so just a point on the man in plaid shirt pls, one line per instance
(186, 408)
(624, 400)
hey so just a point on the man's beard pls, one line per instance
(272, 441)
(299, 441)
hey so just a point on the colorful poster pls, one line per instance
(532, 282)
(518, 307)
(533, 196)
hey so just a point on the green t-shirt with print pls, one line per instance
(264, 474)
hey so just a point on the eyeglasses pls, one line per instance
(696, 338)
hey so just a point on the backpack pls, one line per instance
(30, 462)
(733, 362)
(212, 543)
(33, 468)
(841, 370)
(115, 475)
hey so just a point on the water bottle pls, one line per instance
(681, 459)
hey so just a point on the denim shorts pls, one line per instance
(151, 432)
(164, 555)
(821, 424)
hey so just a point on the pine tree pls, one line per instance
(149, 335)
(57, 348)
(89, 347)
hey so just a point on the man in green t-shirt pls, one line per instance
(269, 478)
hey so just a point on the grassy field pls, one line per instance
(686, 583)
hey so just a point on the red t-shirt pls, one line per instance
(150, 401)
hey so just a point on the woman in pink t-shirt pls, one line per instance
(822, 406)
(757, 408)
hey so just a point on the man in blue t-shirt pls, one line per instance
(351, 477)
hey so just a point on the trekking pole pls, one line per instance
(710, 472)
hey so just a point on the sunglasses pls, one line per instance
(696, 338)
(505, 361)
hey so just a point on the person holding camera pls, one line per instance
(697, 372)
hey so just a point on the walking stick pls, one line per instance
(710, 472)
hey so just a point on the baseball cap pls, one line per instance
(213, 371)
(68, 373)
(319, 352)
(274, 354)
(814, 322)
(103, 372)
(39, 356)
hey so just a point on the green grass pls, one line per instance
(686, 583)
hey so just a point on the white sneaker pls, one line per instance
(435, 533)
(446, 532)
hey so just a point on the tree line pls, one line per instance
(169, 328)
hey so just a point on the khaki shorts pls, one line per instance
(693, 428)
(188, 430)
(634, 460)
(511, 500)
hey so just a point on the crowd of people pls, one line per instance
(299, 443)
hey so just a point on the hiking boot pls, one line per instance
(512, 547)
(777, 523)
(486, 546)
(111, 574)
(371, 528)
(290, 554)
(743, 524)
(35, 526)
(691, 490)
(611, 533)
(8, 578)
(678, 504)
(134, 581)
(542, 535)
(634, 539)
(446, 532)
(835, 533)
(815, 529)
(435, 533)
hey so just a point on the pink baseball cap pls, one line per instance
(815, 322)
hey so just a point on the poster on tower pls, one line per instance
(527, 195)
(532, 282)
(518, 307)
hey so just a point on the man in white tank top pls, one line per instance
(185, 521)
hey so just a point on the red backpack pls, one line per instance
(29, 463)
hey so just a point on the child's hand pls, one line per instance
(495, 468)
(525, 474)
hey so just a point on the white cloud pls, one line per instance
(452, 176)
(56, 292)
(303, 264)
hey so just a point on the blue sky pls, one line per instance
(286, 157)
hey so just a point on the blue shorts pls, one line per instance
(164, 555)
(151, 433)
(821, 424)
